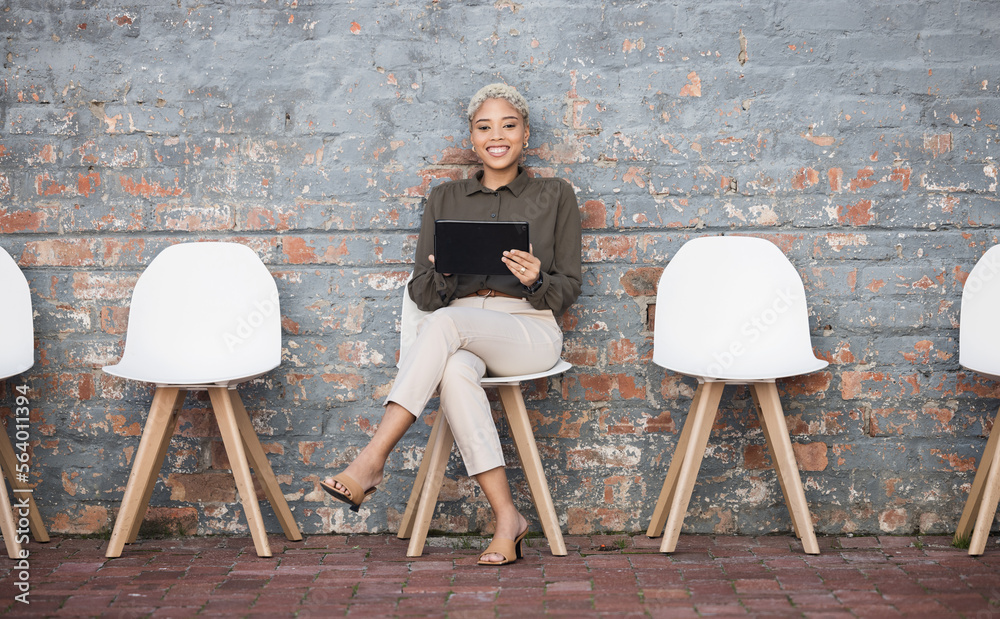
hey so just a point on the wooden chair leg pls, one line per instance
(7, 525)
(262, 468)
(784, 462)
(990, 494)
(701, 417)
(531, 463)
(410, 515)
(431, 487)
(154, 472)
(987, 510)
(144, 466)
(8, 464)
(659, 519)
(765, 428)
(973, 504)
(222, 405)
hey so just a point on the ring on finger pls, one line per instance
(522, 270)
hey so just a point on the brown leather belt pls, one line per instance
(489, 292)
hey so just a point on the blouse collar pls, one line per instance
(516, 186)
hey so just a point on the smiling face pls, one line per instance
(498, 137)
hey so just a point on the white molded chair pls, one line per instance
(731, 310)
(204, 316)
(17, 354)
(979, 350)
(427, 485)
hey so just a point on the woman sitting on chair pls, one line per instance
(501, 324)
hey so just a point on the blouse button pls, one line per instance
(493, 215)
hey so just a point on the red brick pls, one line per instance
(145, 189)
(88, 183)
(60, 252)
(578, 354)
(857, 214)
(622, 352)
(46, 186)
(811, 456)
(593, 214)
(901, 176)
(80, 519)
(812, 384)
(124, 252)
(202, 487)
(673, 387)
(836, 178)
(601, 387)
(609, 248)
(977, 384)
(114, 319)
(641, 281)
(892, 520)
(596, 387)
(121, 427)
(956, 462)
(853, 384)
(863, 180)
(756, 457)
(36, 219)
(664, 422)
(629, 389)
(197, 423)
(275, 218)
(76, 385)
(805, 177)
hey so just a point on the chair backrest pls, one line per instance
(979, 329)
(732, 308)
(17, 332)
(202, 313)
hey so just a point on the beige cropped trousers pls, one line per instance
(455, 347)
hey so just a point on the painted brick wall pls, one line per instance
(860, 137)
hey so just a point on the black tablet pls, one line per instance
(476, 247)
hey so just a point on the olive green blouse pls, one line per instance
(548, 205)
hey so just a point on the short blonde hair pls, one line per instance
(499, 91)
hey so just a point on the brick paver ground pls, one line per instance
(614, 576)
